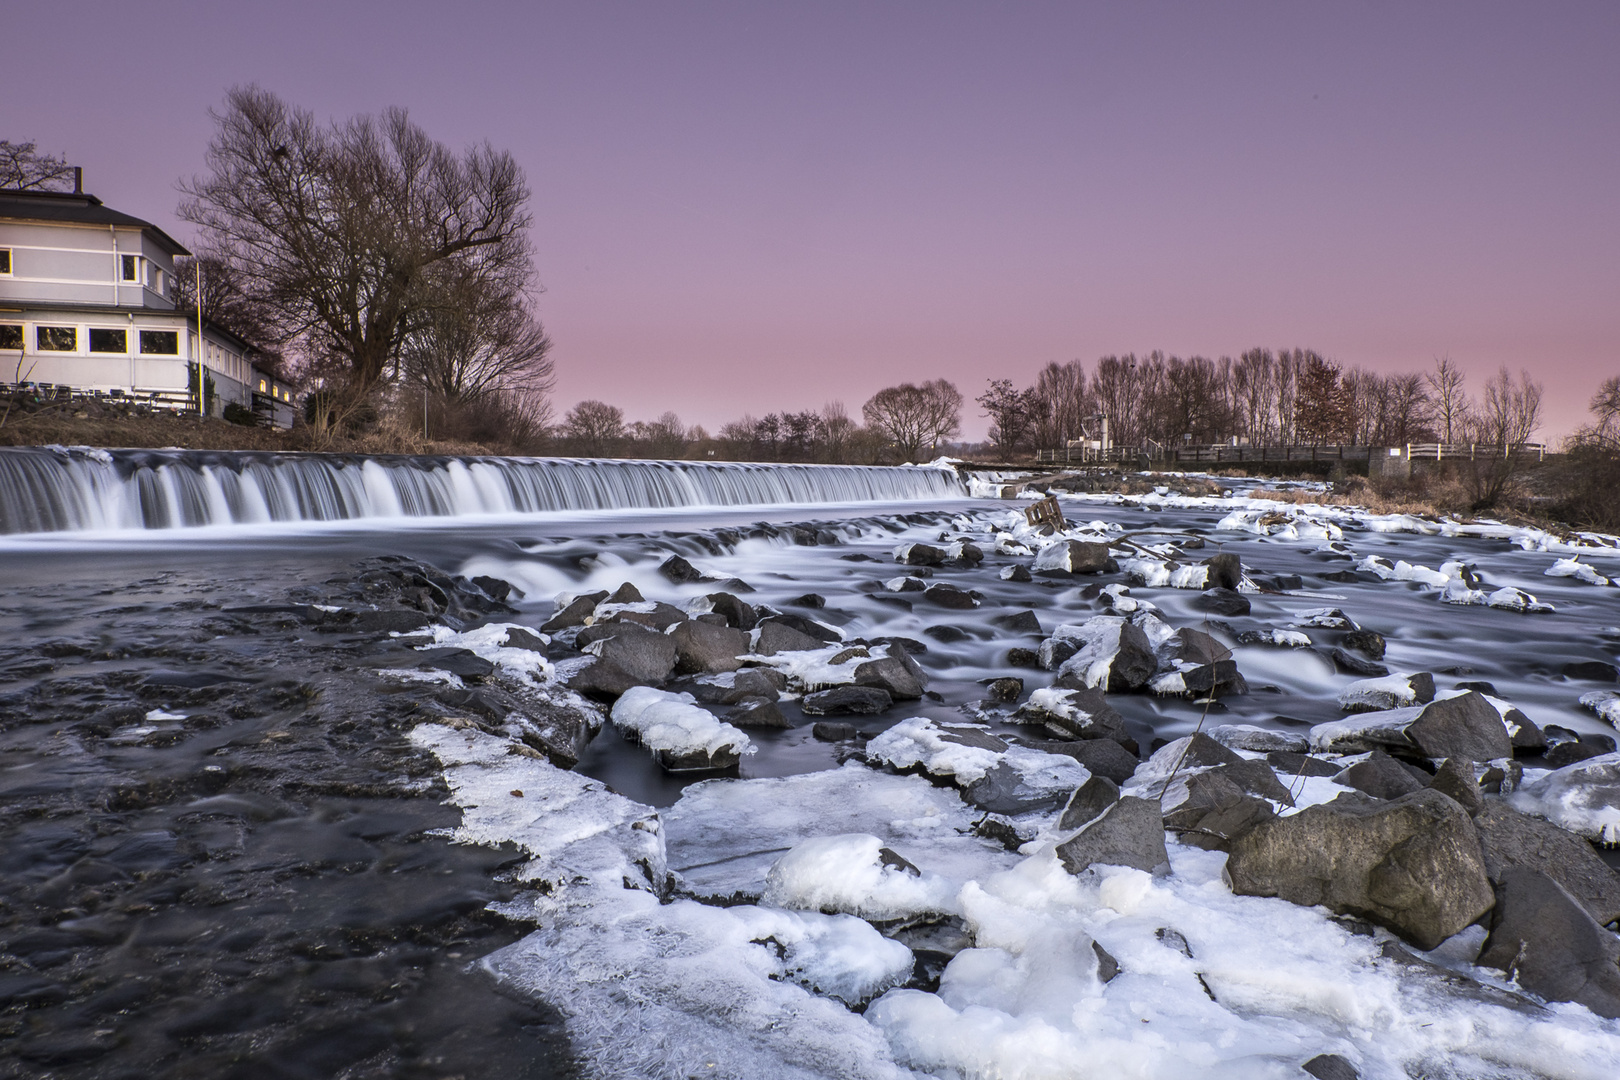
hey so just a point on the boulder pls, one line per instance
(729, 688)
(774, 637)
(1019, 573)
(1216, 810)
(920, 555)
(1367, 642)
(1003, 789)
(808, 627)
(737, 613)
(1351, 664)
(1257, 739)
(1193, 647)
(679, 571)
(1113, 654)
(1412, 864)
(1128, 833)
(626, 594)
(811, 600)
(1074, 714)
(1019, 622)
(702, 648)
(1583, 798)
(860, 700)
(1291, 764)
(949, 596)
(1510, 839)
(1330, 1067)
(463, 663)
(759, 713)
(1464, 726)
(632, 656)
(1380, 776)
(1569, 753)
(1255, 778)
(897, 674)
(1455, 777)
(1067, 557)
(1088, 801)
(970, 554)
(519, 637)
(946, 633)
(1590, 671)
(1219, 601)
(828, 731)
(1102, 757)
(574, 613)
(1225, 571)
(1397, 691)
(1006, 688)
(1541, 937)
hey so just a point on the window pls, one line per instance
(10, 335)
(130, 267)
(157, 284)
(109, 341)
(5, 261)
(58, 338)
(160, 342)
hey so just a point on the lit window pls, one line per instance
(5, 261)
(160, 342)
(10, 335)
(130, 267)
(261, 386)
(58, 339)
(109, 341)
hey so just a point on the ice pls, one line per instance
(430, 676)
(1098, 641)
(1380, 693)
(1288, 639)
(1386, 726)
(848, 873)
(164, 714)
(673, 722)
(1606, 703)
(1583, 798)
(525, 665)
(1576, 569)
(813, 669)
(921, 743)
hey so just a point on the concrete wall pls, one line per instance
(79, 264)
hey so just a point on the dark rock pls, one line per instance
(910, 646)
(679, 571)
(1089, 716)
(1455, 777)
(1255, 778)
(1287, 582)
(1590, 671)
(1107, 966)
(632, 656)
(828, 731)
(578, 610)
(1569, 753)
(1005, 689)
(1024, 658)
(1225, 571)
(1076, 557)
(518, 637)
(386, 621)
(775, 637)
(626, 594)
(1227, 602)
(1019, 573)
(463, 663)
(1463, 726)
(1019, 622)
(761, 713)
(1380, 776)
(1003, 790)
(1544, 939)
(1204, 752)
(1510, 839)
(1195, 647)
(897, 673)
(762, 683)
(1128, 833)
(972, 554)
(1480, 685)
(1002, 831)
(738, 614)
(1341, 577)
(1367, 642)
(921, 555)
(1289, 763)
(1215, 680)
(808, 627)
(560, 730)
(1352, 664)
(492, 587)
(1412, 864)
(950, 596)
(1501, 778)
(1089, 800)
(721, 760)
(946, 634)
(702, 648)
(1103, 757)
(860, 700)
(1331, 1067)
(1216, 810)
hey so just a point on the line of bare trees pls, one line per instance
(1287, 397)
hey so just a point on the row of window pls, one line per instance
(66, 339)
(131, 269)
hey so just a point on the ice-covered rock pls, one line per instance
(1062, 558)
(1075, 714)
(1574, 568)
(1606, 703)
(1106, 651)
(1257, 739)
(1389, 692)
(1583, 798)
(683, 735)
(856, 874)
(1284, 639)
(1455, 724)
(965, 755)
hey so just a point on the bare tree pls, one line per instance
(1322, 411)
(1449, 398)
(463, 355)
(1605, 408)
(24, 168)
(1058, 404)
(1254, 380)
(837, 431)
(915, 419)
(594, 427)
(1011, 412)
(664, 438)
(1408, 413)
(347, 237)
(1506, 418)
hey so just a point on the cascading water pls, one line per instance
(55, 489)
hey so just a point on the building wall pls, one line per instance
(81, 264)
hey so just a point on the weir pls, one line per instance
(75, 489)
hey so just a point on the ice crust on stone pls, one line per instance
(812, 669)
(847, 874)
(921, 743)
(674, 722)
(1381, 693)
(1583, 798)
(525, 665)
(1606, 703)
(1574, 568)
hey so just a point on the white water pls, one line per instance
(55, 489)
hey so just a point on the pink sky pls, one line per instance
(757, 207)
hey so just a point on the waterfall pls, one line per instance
(57, 489)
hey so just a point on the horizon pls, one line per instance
(838, 200)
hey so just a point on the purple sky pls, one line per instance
(763, 206)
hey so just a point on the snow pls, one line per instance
(1384, 692)
(1576, 569)
(1583, 798)
(813, 669)
(164, 714)
(1288, 639)
(1606, 703)
(524, 665)
(673, 722)
(1385, 726)
(845, 873)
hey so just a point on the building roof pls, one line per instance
(77, 208)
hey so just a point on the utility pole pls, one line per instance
(202, 380)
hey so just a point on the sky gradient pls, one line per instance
(758, 207)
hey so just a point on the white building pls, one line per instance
(87, 302)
